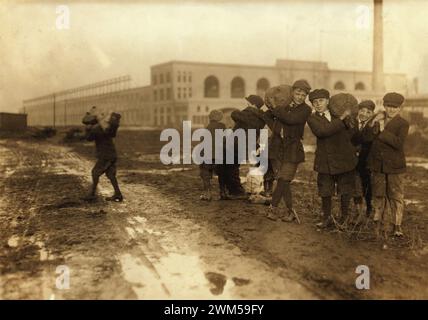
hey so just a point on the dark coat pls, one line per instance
(275, 142)
(335, 153)
(387, 151)
(292, 120)
(211, 127)
(362, 139)
(103, 138)
(249, 118)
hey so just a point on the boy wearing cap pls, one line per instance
(387, 163)
(292, 118)
(363, 145)
(248, 118)
(335, 157)
(206, 170)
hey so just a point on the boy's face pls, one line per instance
(364, 114)
(299, 95)
(320, 104)
(391, 111)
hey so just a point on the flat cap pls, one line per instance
(255, 100)
(319, 93)
(302, 84)
(393, 99)
(368, 104)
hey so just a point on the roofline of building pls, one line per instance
(265, 66)
(212, 64)
(368, 72)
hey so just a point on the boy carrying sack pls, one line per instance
(335, 158)
(387, 163)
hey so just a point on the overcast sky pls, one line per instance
(108, 39)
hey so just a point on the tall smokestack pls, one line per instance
(378, 83)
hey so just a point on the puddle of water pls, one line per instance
(176, 276)
(145, 282)
(185, 278)
(139, 225)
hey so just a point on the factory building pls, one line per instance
(182, 90)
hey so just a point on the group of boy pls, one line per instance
(358, 156)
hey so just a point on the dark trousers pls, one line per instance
(232, 179)
(363, 188)
(365, 176)
(206, 172)
(107, 166)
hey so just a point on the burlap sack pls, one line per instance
(103, 118)
(341, 102)
(279, 95)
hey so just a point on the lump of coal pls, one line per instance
(280, 95)
(341, 102)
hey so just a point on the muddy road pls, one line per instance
(163, 243)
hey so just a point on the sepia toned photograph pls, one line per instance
(229, 151)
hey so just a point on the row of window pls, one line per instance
(200, 119)
(166, 94)
(184, 76)
(168, 109)
(166, 78)
(237, 87)
(359, 86)
(184, 93)
(161, 110)
(206, 109)
(161, 78)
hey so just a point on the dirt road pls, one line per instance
(163, 243)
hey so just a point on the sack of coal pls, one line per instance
(105, 119)
(341, 102)
(91, 117)
(279, 95)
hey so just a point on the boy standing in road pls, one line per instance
(292, 118)
(206, 170)
(363, 188)
(105, 153)
(387, 163)
(335, 157)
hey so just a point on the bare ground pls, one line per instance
(163, 243)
